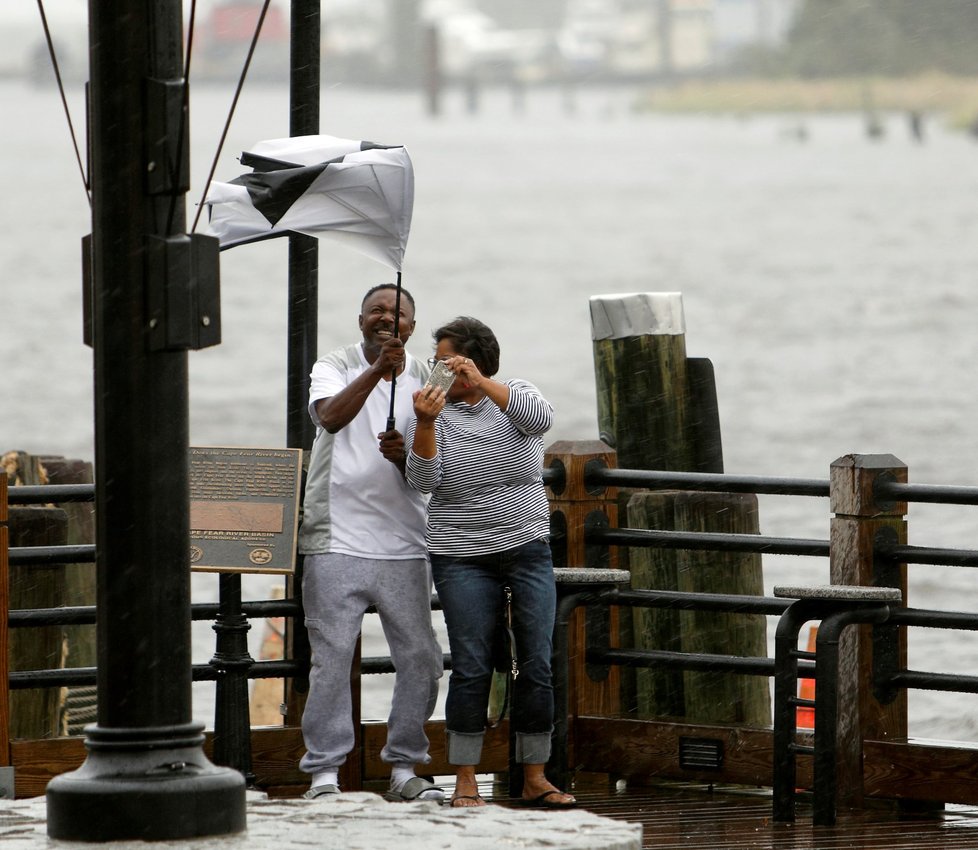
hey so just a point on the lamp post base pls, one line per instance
(137, 789)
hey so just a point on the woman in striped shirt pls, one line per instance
(478, 450)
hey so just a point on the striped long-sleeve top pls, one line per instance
(485, 480)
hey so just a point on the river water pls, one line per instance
(830, 281)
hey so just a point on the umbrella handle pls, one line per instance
(397, 332)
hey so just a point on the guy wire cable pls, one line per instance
(184, 113)
(64, 101)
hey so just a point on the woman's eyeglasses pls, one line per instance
(433, 360)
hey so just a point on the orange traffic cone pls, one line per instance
(804, 714)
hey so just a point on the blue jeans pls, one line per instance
(471, 594)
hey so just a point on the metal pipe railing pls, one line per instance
(888, 490)
(926, 555)
(706, 540)
(595, 476)
(708, 481)
(50, 494)
(82, 553)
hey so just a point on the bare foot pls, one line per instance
(466, 794)
(545, 795)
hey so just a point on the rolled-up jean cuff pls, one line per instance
(464, 747)
(532, 748)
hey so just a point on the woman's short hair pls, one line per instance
(474, 340)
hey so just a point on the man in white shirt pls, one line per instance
(362, 536)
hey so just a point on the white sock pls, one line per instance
(325, 777)
(401, 773)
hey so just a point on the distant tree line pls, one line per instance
(890, 37)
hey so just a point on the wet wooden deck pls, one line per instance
(698, 818)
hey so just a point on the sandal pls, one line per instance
(412, 790)
(478, 804)
(321, 791)
(543, 801)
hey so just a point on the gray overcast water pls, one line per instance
(830, 281)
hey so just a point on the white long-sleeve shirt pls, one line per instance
(485, 480)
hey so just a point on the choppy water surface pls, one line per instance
(830, 281)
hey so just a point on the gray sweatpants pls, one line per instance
(336, 591)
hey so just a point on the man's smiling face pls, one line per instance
(377, 319)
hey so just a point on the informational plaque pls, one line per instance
(244, 509)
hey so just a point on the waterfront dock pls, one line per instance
(362, 820)
(663, 817)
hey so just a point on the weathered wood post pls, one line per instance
(712, 697)
(572, 507)
(658, 409)
(80, 700)
(858, 518)
(432, 69)
(35, 712)
(580, 688)
(404, 21)
(4, 631)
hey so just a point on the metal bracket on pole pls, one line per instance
(183, 297)
(167, 138)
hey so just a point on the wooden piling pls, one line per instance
(473, 91)
(432, 69)
(4, 626)
(640, 377)
(70, 708)
(81, 700)
(858, 518)
(35, 713)
(657, 693)
(658, 409)
(639, 366)
(717, 697)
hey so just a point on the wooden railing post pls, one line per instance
(573, 506)
(857, 519)
(4, 625)
(80, 707)
(35, 712)
(571, 502)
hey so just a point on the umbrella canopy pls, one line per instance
(354, 192)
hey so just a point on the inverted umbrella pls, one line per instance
(354, 192)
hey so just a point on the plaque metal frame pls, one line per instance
(244, 509)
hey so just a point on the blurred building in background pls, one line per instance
(395, 42)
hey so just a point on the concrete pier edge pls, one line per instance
(362, 820)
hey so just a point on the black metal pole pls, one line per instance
(557, 770)
(303, 250)
(232, 661)
(146, 776)
(303, 319)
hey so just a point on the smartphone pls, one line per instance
(441, 376)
